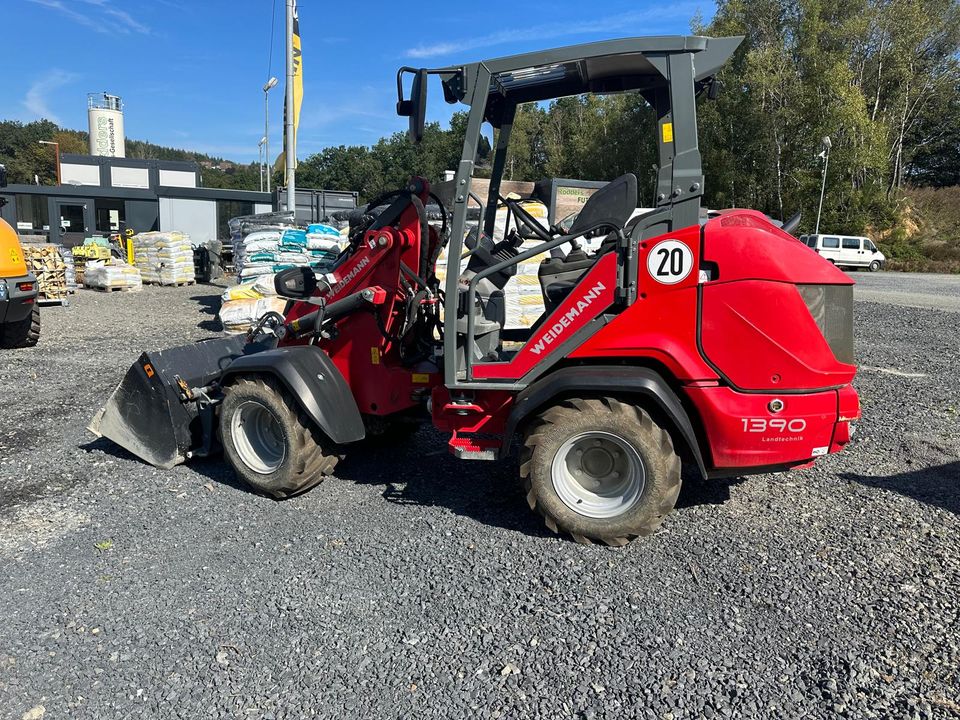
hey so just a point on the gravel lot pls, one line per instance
(413, 585)
(940, 292)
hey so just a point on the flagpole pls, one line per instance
(291, 147)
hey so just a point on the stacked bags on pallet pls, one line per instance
(244, 304)
(112, 275)
(269, 250)
(164, 258)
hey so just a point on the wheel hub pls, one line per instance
(598, 474)
(258, 437)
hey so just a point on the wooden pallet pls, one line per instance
(111, 289)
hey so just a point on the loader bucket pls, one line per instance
(145, 414)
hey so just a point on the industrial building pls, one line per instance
(99, 194)
(104, 192)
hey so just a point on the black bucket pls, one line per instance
(146, 414)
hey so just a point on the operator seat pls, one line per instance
(614, 203)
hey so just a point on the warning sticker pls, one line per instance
(668, 132)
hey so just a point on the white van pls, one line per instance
(846, 250)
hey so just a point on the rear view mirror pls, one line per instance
(298, 283)
(416, 107)
(3, 176)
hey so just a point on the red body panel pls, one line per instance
(742, 432)
(746, 246)
(762, 337)
(661, 325)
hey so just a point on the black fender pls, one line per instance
(609, 380)
(314, 381)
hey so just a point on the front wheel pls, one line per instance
(601, 470)
(874, 266)
(271, 444)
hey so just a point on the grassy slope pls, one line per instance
(926, 236)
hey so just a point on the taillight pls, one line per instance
(25, 287)
(832, 308)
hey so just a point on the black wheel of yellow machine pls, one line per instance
(25, 333)
(268, 440)
(601, 470)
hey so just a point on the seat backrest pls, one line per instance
(614, 203)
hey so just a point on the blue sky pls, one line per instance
(191, 71)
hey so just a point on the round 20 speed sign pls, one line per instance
(669, 262)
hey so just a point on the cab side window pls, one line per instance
(868, 245)
(851, 243)
(831, 243)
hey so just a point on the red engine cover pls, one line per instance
(754, 325)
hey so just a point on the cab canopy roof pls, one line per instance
(609, 66)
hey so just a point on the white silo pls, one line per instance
(105, 115)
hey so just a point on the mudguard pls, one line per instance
(315, 383)
(614, 380)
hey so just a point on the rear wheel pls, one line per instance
(601, 470)
(271, 444)
(25, 333)
(874, 266)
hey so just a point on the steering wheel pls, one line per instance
(527, 219)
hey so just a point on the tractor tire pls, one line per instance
(600, 469)
(269, 441)
(25, 333)
(874, 266)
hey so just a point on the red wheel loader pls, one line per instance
(725, 344)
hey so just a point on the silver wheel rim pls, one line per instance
(598, 474)
(258, 437)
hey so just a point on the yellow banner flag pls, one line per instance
(297, 94)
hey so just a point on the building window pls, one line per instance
(227, 210)
(110, 215)
(32, 213)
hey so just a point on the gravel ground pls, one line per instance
(414, 585)
(940, 292)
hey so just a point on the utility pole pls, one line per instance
(263, 141)
(825, 154)
(291, 148)
(268, 86)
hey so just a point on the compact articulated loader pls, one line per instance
(726, 345)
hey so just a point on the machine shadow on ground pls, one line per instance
(209, 305)
(420, 472)
(937, 485)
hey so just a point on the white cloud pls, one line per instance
(37, 99)
(642, 21)
(100, 15)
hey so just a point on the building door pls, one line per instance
(72, 221)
